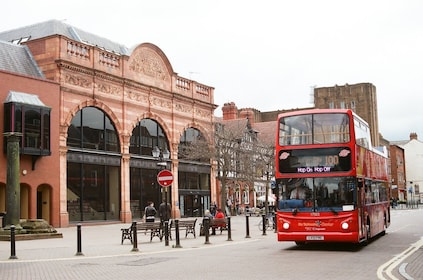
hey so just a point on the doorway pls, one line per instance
(43, 203)
(194, 205)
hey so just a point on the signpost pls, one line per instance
(165, 178)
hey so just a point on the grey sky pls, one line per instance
(267, 54)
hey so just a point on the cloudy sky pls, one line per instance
(267, 54)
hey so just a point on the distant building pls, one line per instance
(398, 176)
(250, 176)
(413, 180)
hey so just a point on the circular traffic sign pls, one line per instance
(165, 178)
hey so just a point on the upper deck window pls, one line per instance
(314, 129)
(362, 133)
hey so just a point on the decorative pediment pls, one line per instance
(147, 59)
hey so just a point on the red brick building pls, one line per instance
(39, 189)
(110, 107)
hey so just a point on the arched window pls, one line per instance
(147, 135)
(93, 182)
(92, 129)
(246, 195)
(193, 146)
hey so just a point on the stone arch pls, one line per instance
(195, 126)
(160, 121)
(106, 109)
(157, 118)
(200, 128)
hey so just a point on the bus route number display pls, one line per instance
(315, 160)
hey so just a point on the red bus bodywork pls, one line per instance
(364, 211)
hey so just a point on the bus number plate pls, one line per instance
(314, 237)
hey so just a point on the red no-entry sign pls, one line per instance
(165, 178)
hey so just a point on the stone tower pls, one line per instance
(361, 98)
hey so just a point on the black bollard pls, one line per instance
(229, 229)
(78, 240)
(166, 232)
(275, 224)
(247, 226)
(12, 243)
(206, 224)
(178, 244)
(264, 224)
(134, 237)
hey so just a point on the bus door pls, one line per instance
(361, 202)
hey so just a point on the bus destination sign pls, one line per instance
(315, 160)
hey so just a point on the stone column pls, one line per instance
(13, 189)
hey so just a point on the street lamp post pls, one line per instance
(162, 157)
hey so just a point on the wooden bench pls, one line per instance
(220, 223)
(154, 228)
(188, 225)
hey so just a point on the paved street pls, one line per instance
(242, 258)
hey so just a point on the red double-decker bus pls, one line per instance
(333, 185)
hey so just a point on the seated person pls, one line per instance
(219, 215)
(208, 215)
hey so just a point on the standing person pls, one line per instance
(213, 208)
(150, 212)
(164, 211)
(228, 207)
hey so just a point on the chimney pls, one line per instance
(230, 111)
(413, 136)
(247, 113)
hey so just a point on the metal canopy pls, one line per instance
(24, 98)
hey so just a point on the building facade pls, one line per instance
(398, 176)
(249, 172)
(38, 188)
(111, 107)
(413, 179)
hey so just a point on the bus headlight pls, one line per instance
(285, 225)
(345, 225)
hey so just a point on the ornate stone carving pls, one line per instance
(155, 101)
(202, 113)
(109, 89)
(78, 81)
(183, 108)
(147, 62)
(137, 96)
